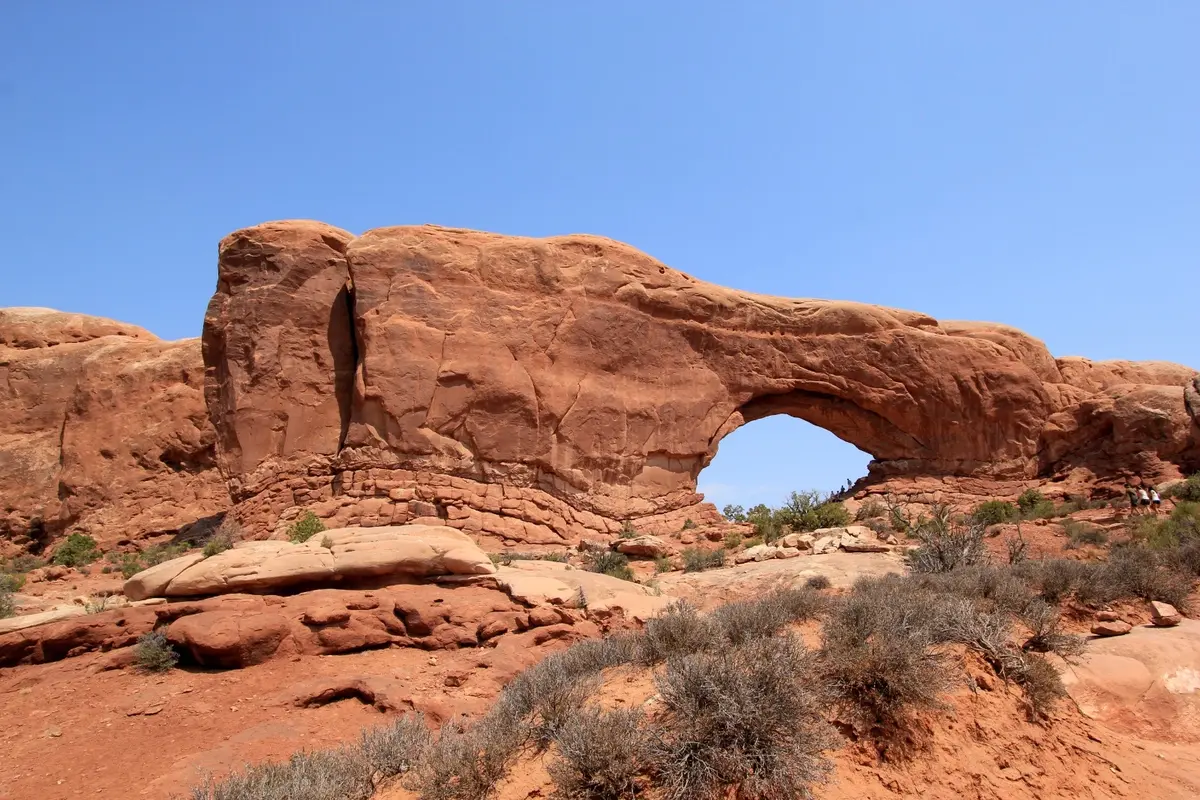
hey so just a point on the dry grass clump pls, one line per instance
(599, 755)
(351, 772)
(745, 718)
(466, 761)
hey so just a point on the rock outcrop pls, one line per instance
(536, 391)
(103, 429)
(340, 556)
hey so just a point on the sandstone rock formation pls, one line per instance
(103, 429)
(403, 553)
(536, 391)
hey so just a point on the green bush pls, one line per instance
(129, 565)
(688, 524)
(303, 529)
(1188, 490)
(733, 540)
(78, 550)
(1029, 500)
(734, 513)
(627, 530)
(662, 564)
(696, 559)
(11, 582)
(153, 653)
(818, 582)
(611, 563)
(753, 541)
(219, 543)
(946, 545)
(994, 512)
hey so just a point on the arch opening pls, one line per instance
(764, 459)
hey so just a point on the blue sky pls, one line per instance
(1029, 163)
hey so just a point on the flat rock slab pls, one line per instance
(404, 550)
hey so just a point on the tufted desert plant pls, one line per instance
(78, 550)
(153, 653)
(818, 582)
(306, 527)
(994, 512)
(8, 606)
(679, 629)
(947, 544)
(611, 563)
(467, 761)
(742, 719)
(600, 754)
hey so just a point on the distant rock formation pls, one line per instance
(102, 429)
(536, 391)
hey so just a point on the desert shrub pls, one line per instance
(219, 542)
(1082, 533)
(129, 565)
(987, 587)
(900, 520)
(753, 541)
(97, 604)
(78, 550)
(303, 529)
(1188, 490)
(1182, 525)
(678, 630)
(740, 621)
(599, 755)
(1042, 684)
(880, 658)
(697, 559)
(688, 524)
(465, 762)
(745, 718)
(818, 582)
(1188, 557)
(1137, 571)
(627, 530)
(732, 540)
(11, 581)
(153, 653)
(1017, 549)
(662, 564)
(322, 775)
(153, 556)
(8, 606)
(541, 699)
(805, 511)
(993, 512)
(1045, 509)
(1029, 500)
(871, 509)
(391, 750)
(327, 542)
(24, 563)
(946, 544)
(611, 563)
(1045, 627)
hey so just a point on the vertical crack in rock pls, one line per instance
(343, 343)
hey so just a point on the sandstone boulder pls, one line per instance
(229, 639)
(354, 553)
(1116, 628)
(1108, 616)
(760, 552)
(1164, 615)
(800, 541)
(645, 546)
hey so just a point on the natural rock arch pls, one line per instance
(537, 389)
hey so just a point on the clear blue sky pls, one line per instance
(1032, 163)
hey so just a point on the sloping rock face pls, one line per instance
(103, 429)
(534, 391)
(336, 556)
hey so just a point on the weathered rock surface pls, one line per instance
(1117, 628)
(588, 383)
(103, 429)
(235, 630)
(412, 551)
(645, 546)
(1164, 615)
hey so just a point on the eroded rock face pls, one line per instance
(534, 391)
(103, 429)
